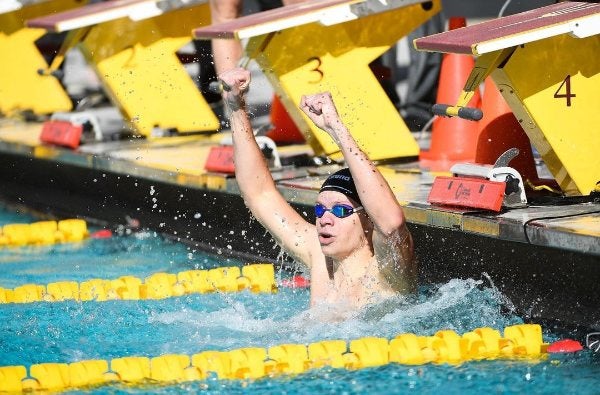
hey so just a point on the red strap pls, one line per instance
(467, 192)
(62, 133)
(220, 159)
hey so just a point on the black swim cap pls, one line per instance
(341, 181)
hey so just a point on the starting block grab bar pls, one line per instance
(445, 110)
(446, 346)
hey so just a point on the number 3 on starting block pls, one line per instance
(323, 46)
(315, 58)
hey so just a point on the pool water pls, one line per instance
(71, 331)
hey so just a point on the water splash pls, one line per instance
(248, 320)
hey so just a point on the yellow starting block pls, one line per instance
(132, 46)
(545, 64)
(328, 46)
(21, 87)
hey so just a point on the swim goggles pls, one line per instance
(339, 210)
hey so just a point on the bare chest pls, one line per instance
(352, 290)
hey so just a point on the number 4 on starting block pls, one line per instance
(545, 64)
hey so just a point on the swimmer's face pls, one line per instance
(339, 237)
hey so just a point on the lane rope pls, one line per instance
(43, 233)
(256, 277)
(519, 341)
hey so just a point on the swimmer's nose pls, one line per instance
(327, 219)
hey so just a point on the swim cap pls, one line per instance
(341, 181)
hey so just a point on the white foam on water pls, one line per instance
(448, 295)
(235, 317)
(450, 306)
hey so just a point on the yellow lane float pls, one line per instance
(519, 341)
(259, 277)
(43, 233)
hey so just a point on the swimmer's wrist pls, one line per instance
(238, 103)
(338, 130)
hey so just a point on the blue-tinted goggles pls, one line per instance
(339, 210)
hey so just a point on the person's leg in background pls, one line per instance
(223, 54)
(226, 52)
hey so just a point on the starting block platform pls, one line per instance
(132, 45)
(545, 64)
(22, 88)
(328, 45)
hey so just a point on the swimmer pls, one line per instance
(359, 251)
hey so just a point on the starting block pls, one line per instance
(481, 186)
(327, 46)
(132, 46)
(545, 64)
(21, 87)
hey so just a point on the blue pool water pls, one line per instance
(72, 331)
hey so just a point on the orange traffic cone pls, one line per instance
(452, 139)
(284, 129)
(499, 130)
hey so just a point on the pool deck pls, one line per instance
(544, 258)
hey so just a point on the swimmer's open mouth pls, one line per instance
(325, 238)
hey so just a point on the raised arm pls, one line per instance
(296, 235)
(392, 237)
